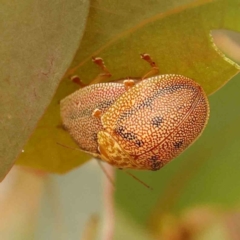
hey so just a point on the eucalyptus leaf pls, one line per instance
(38, 41)
(175, 33)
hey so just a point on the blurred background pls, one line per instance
(196, 196)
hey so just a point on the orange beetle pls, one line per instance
(143, 126)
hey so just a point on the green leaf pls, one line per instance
(175, 33)
(38, 40)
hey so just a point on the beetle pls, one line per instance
(137, 124)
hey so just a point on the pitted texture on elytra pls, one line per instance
(157, 119)
(77, 109)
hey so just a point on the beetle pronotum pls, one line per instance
(136, 124)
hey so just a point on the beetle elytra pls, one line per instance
(139, 126)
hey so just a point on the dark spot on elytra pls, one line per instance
(94, 137)
(178, 144)
(88, 110)
(129, 136)
(156, 121)
(156, 163)
(139, 143)
(105, 104)
(148, 101)
(126, 135)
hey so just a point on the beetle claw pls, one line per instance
(154, 70)
(76, 79)
(128, 83)
(104, 74)
(99, 61)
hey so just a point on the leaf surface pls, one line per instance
(175, 33)
(38, 41)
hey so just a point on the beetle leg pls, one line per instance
(154, 70)
(76, 79)
(104, 74)
(128, 83)
(97, 113)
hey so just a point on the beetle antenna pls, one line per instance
(105, 172)
(99, 163)
(140, 181)
(62, 145)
